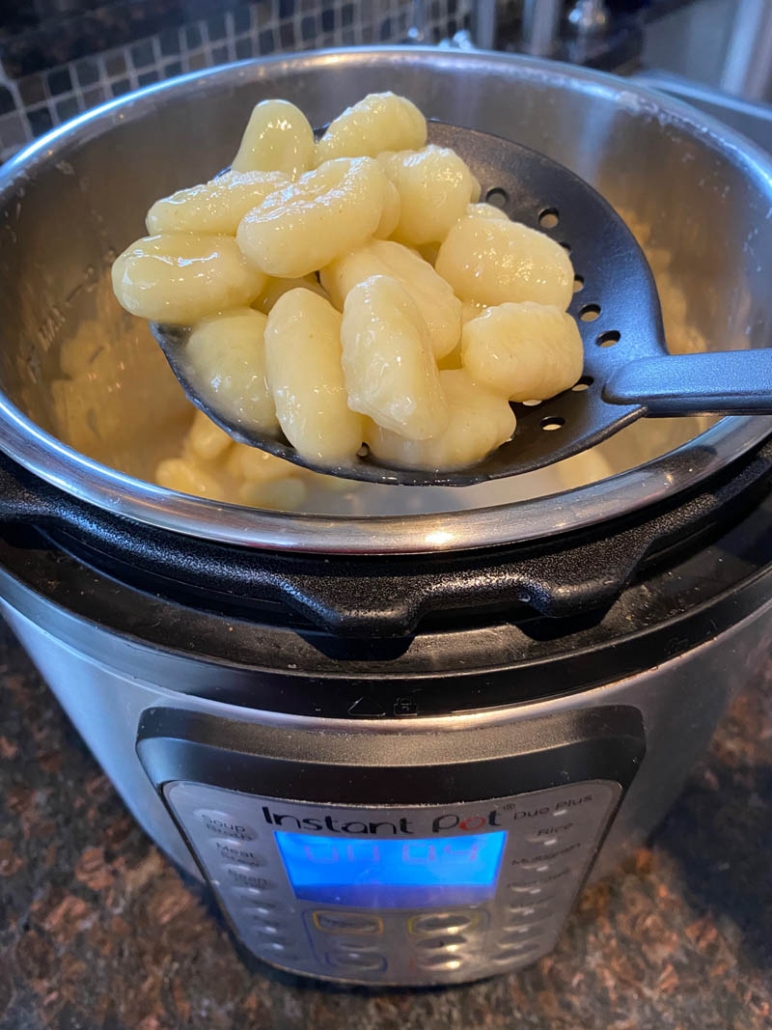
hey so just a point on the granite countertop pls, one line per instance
(98, 930)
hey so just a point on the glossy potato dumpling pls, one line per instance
(326, 213)
(524, 351)
(480, 421)
(225, 357)
(435, 188)
(217, 206)
(441, 310)
(494, 261)
(381, 121)
(278, 138)
(390, 371)
(303, 354)
(179, 278)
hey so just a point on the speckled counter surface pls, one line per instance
(98, 930)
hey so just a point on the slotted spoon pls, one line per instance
(627, 371)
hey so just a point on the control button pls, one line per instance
(548, 834)
(514, 952)
(543, 864)
(358, 961)
(283, 948)
(258, 911)
(353, 944)
(447, 945)
(234, 851)
(522, 923)
(546, 877)
(220, 824)
(514, 934)
(254, 894)
(538, 909)
(244, 876)
(443, 922)
(266, 929)
(438, 962)
(532, 890)
(347, 922)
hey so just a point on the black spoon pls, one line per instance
(627, 371)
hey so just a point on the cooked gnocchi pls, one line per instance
(182, 277)
(303, 227)
(435, 188)
(303, 364)
(492, 261)
(388, 364)
(525, 351)
(348, 291)
(225, 357)
(480, 420)
(278, 138)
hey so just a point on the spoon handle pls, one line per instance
(720, 382)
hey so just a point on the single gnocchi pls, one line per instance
(390, 371)
(435, 188)
(480, 421)
(494, 261)
(525, 351)
(217, 206)
(381, 121)
(434, 298)
(303, 357)
(179, 278)
(278, 138)
(305, 226)
(225, 357)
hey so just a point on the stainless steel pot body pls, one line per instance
(679, 703)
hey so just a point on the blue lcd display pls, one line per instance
(392, 873)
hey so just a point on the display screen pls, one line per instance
(392, 873)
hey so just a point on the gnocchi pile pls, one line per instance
(347, 291)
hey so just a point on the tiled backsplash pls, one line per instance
(31, 104)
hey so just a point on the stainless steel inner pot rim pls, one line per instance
(542, 517)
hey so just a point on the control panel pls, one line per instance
(413, 895)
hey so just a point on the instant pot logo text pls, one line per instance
(405, 826)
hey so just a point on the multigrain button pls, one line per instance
(442, 922)
(356, 961)
(544, 864)
(245, 876)
(347, 922)
(220, 824)
(236, 851)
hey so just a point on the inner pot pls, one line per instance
(697, 196)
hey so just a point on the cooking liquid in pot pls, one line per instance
(118, 402)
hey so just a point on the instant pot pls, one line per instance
(394, 745)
